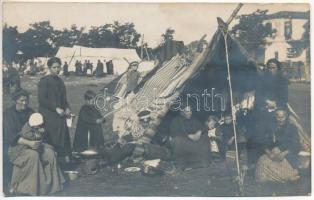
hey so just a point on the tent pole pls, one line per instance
(147, 53)
(74, 44)
(233, 112)
(234, 14)
(142, 43)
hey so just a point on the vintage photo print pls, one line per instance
(105, 99)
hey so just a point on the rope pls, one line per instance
(232, 110)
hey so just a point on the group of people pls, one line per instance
(269, 133)
(87, 68)
(36, 142)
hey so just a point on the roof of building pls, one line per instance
(289, 14)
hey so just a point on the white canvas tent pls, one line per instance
(118, 56)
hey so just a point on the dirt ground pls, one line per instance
(217, 180)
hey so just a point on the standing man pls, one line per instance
(109, 66)
(91, 69)
(85, 67)
(66, 69)
(78, 68)
(53, 105)
(99, 69)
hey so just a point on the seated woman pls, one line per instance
(281, 146)
(14, 118)
(189, 146)
(30, 176)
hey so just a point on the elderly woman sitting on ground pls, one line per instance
(280, 162)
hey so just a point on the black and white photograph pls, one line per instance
(139, 99)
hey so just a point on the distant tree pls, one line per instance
(110, 35)
(68, 37)
(37, 40)
(125, 35)
(10, 43)
(106, 37)
(41, 39)
(251, 31)
(168, 35)
(93, 39)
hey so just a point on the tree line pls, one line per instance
(42, 39)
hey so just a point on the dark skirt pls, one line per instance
(57, 132)
(191, 154)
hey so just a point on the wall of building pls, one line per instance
(279, 43)
(281, 48)
(297, 28)
(279, 25)
(278, 46)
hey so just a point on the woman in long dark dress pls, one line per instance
(54, 107)
(189, 145)
(30, 176)
(89, 121)
(273, 84)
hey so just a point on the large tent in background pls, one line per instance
(174, 81)
(118, 56)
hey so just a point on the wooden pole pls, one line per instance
(224, 29)
(232, 105)
(147, 52)
(142, 43)
(75, 49)
(234, 13)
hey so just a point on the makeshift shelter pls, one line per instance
(119, 57)
(174, 83)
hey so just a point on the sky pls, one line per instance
(189, 20)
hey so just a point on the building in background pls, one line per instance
(288, 44)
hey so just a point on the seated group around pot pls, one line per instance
(191, 144)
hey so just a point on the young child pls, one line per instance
(34, 131)
(228, 135)
(215, 137)
(89, 122)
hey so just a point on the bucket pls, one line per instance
(71, 175)
(304, 159)
(70, 120)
